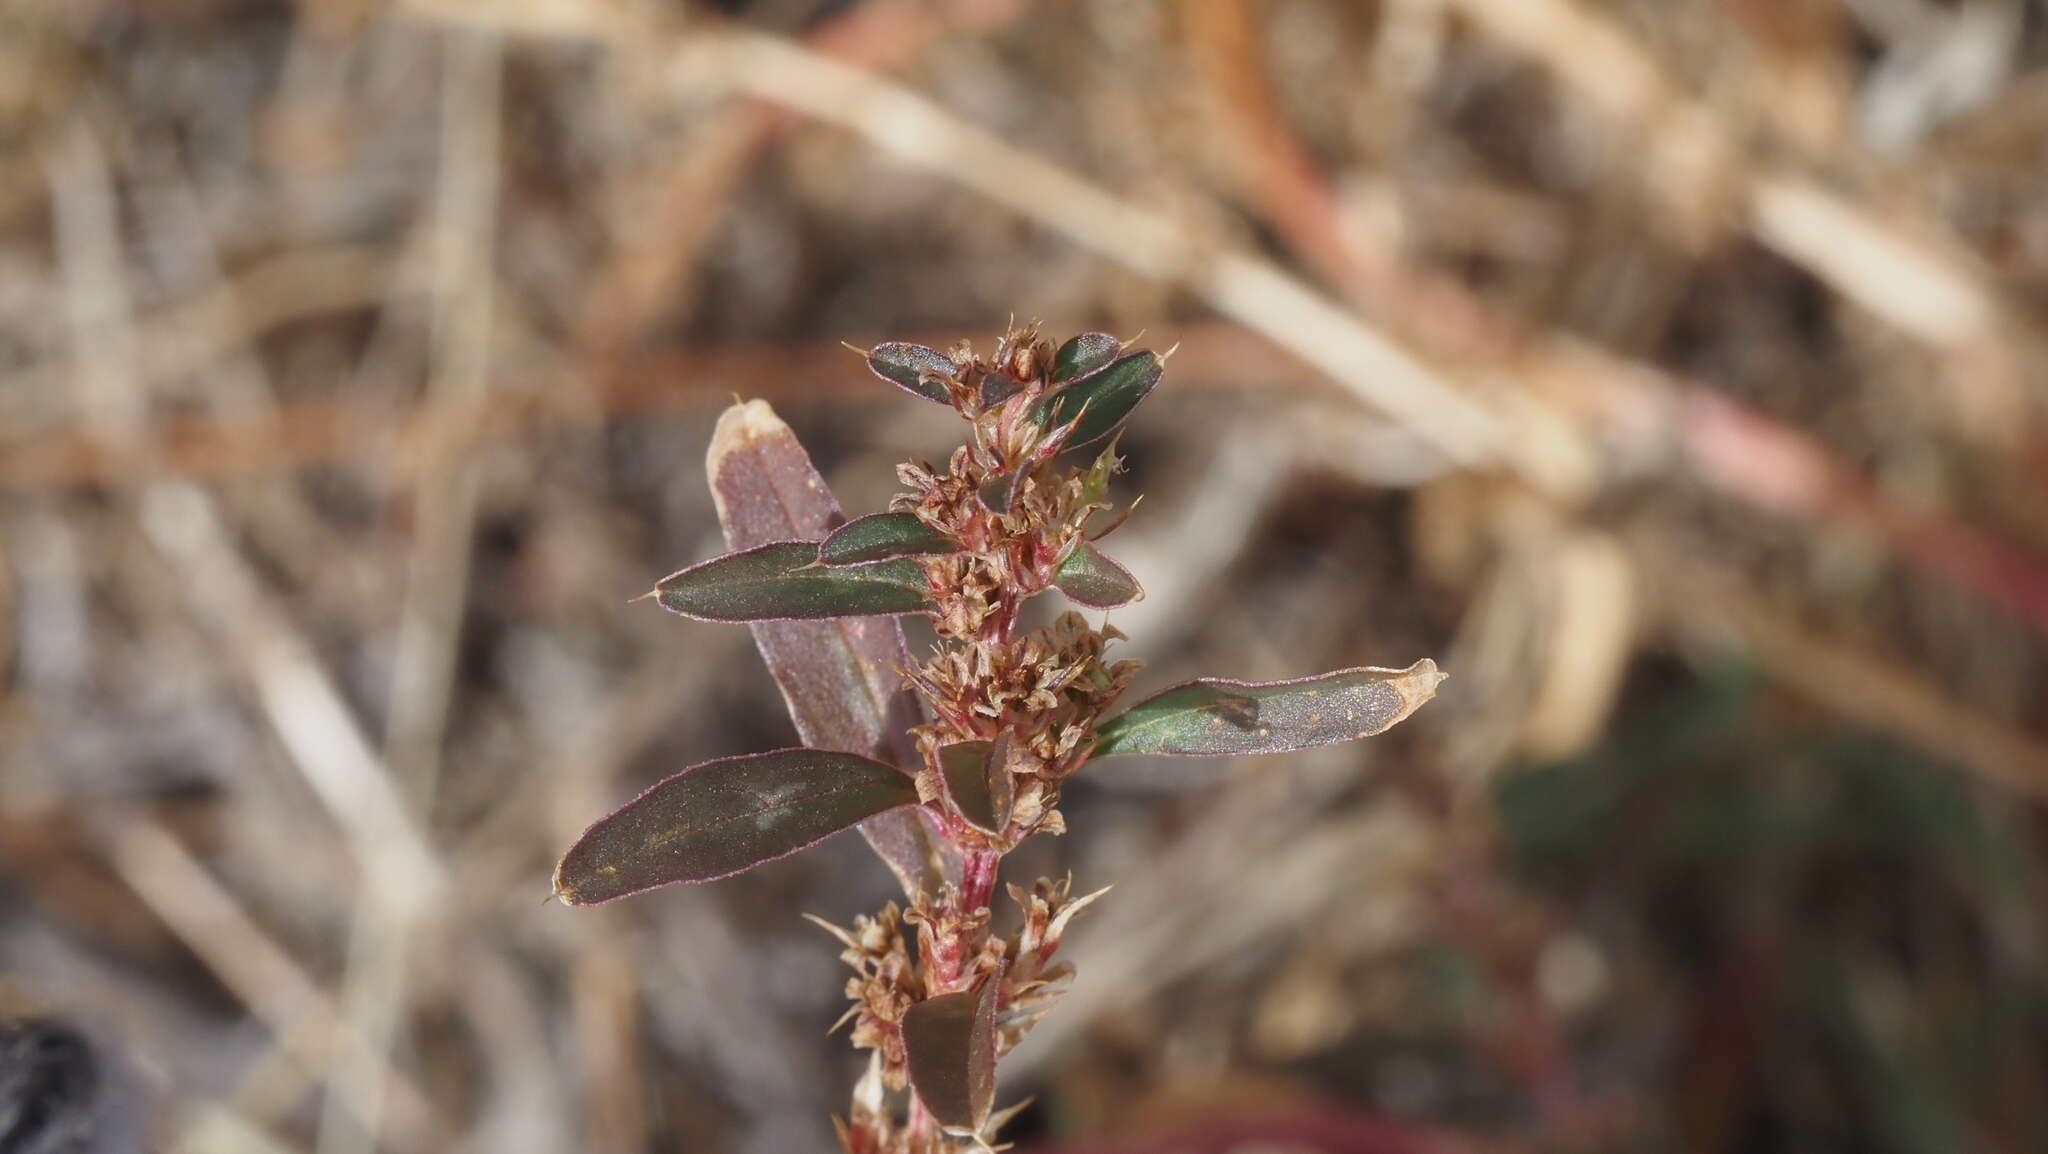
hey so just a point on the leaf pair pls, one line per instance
(1096, 381)
(1089, 576)
(867, 567)
(839, 677)
(725, 816)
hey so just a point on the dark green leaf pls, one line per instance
(978, 780)
(881, 536)
(1083, 355)
(950, 1041)
(1090, 577)
(913, 368)
(1101, 400)
(839, 677)
(1219, 718)
(721, 817)
(782, 581)
(997, 388)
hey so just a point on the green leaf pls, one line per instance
(1090, 577)
(719, 818)
(1214, 717)
(1082, 355)
(881, 536)
(1108, 395)
(1095, 482)
(840, 677)
(997, 388)
(977, 778)
(912, 368)
(782, 581)
(950, 1042)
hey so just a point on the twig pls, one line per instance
(310, 433)
(1373, 367)
(1873, 688)
(306, 282)
(437, 584)
(1924, 290)
(213, 925)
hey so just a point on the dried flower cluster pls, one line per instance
(1000, 717)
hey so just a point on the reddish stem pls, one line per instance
(978, 878)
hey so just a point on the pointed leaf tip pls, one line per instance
(882, 536)
(721, 817)
(1108, 395)
(1215, 717)
(782, 581)
(912, 368)
(1093, 578)
(950, 1042)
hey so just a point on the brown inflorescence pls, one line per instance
(1036, 695)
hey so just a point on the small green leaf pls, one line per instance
(977, 778)
(725, 816)
(912, 368)
(881, 536)
(782, 581)
(950, 1042)
(1095, 482)
(1090, 577)
(1083, 355)
(1214, 717)
(1108, 395)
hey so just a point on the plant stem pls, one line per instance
(978, 878)
(920, 1128)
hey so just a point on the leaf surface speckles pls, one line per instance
(882, 536)
(1091, 577)
(783, 581)
(721, 817)
(1099, 402)
(1215, 717)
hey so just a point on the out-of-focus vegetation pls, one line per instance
(1672, 372)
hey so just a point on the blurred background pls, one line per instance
(1671, 371)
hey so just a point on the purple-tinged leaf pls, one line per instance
(719, 818)
(1082, 355)
(997, 388)
(882, 537)
(782, 581)
(913, 368)
(838, 677)
(950, 1042)
(1101, 400)
(999, 492)
(1214, 717)
(1092, 578)
(977, 777)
